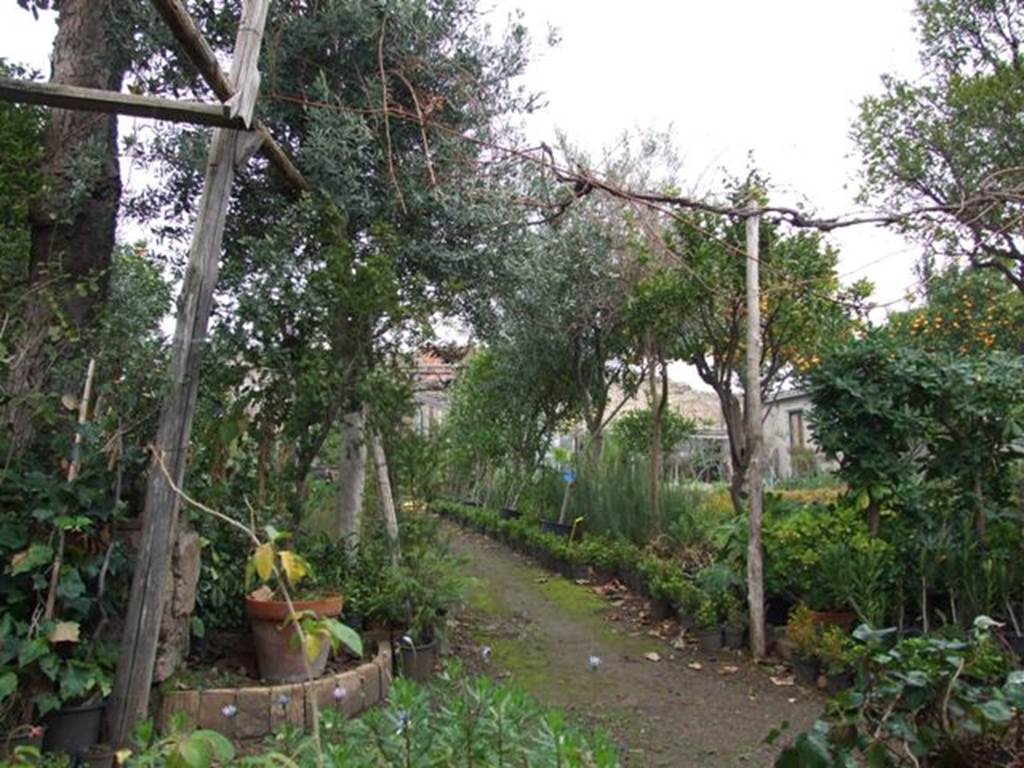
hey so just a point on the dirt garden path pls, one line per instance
(543, 628)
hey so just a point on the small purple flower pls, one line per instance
(485, 653)
(594, 662)
(402, 721)
(338, 693)
(229, 710)
(282, 700)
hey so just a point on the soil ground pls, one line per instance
(689, 708)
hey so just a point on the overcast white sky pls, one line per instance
(779, 79)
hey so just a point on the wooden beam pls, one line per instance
(98, 100)
(229, 149)
(199, 52)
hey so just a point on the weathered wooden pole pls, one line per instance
(228, 148)
(755, 439)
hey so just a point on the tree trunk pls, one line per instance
(73, 222)
(754, 439)
(351, 477)
(387, 501)
(658, 397)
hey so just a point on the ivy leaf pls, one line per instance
(31, 558)
(996, 711)
(263, 559)
(65, 632)
(8, 684)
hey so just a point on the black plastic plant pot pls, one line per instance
(710, 639)
(1016, 644)
(805, 670)
(660, 609)
(73, 730)
(510, 513)
(417, 662)
(561, 529)
(837, 682)
(687, 622)
(735, 637)
(97, 756)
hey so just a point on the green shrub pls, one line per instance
(946, 699)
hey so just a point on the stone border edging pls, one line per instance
(257, 711)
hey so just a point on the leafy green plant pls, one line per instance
(803, 631)
(948, 699)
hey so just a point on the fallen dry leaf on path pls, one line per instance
(695, 665)
(728, 669)
(783, 680)
(652, 656)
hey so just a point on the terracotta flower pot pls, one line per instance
(278, 651)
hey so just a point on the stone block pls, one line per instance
(352, 682)
(184, 702)
(287, 706)
(253, 718)
(212, 715)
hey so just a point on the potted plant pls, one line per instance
(709, 627)
(426, 586)
(838, 653)
(804, 632)
(690, 598)
(293, 631)
(735, 630)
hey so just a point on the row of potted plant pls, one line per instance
(717, 616)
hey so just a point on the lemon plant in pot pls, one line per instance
(293, 630)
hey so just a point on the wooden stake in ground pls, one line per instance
(755, 439)
(228, 148)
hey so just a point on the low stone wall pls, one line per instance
(253, 712)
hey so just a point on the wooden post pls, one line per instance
(228, 148)
(755, 438)
(387, 500)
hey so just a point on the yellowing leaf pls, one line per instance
(69, 401)
(313, 645)
(65, 632)
(263, 559)
(122, 755)
(294, 566)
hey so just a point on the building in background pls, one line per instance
(789, 447)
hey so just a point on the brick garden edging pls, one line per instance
(258, 711)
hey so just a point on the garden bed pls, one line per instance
(251, 711)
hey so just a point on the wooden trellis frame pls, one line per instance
(236, 137)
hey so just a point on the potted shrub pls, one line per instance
(838, 654)
(48, 674)
(735, 630)
(293, 631)
(804, 632)
(427, 586)
(709, 628)
(690, 598)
